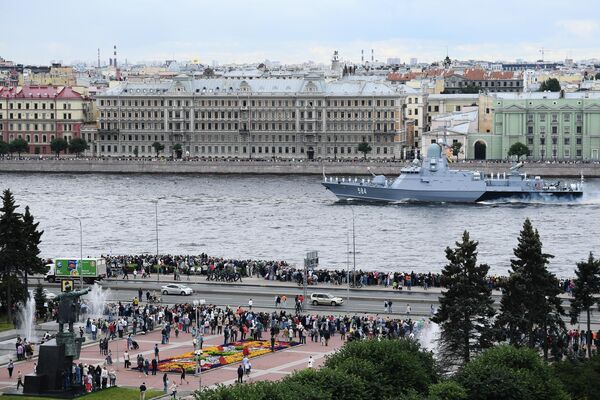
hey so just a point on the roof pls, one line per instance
(221, 86)
(40, 92)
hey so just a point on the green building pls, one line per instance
(554, 126)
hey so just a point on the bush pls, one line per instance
(398, 365)
(508, 373)
(448, 390)
(580, 377)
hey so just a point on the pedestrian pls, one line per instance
(165, 383)
(143, 391)
(156, 351)
(311, 362)
(250, 304)
(126, 359)
(154, 366)
(10, 368)
(431, 310)
(277, 301)
(284, 300)
(174, 391)
(140, 293)
(408, 309)
(125, 273)
(389, 306)
(385, 306)
(182, 376)
(240, 374)
(20, 380)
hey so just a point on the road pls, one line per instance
(263, 296)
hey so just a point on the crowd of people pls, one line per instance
(277, 270)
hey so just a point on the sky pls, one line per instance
(236, 31)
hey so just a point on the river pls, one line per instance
(282, 217)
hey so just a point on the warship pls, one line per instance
(431, 180)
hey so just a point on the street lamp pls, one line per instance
(353, 249)
(156, 225)
(80, 250)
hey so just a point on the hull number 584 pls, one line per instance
(361, 190)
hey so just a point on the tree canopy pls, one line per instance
(18, 146)
(58, 145)
(158, 147)
(78, 146)
(364, 148)
(585, 293)
(552, 85)
(518, 149)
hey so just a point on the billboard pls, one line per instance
(71, 267)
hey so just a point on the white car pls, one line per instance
(325, 299)
(174, 288)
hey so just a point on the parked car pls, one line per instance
(325, 299)
(174, 288)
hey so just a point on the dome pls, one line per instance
(434, 151)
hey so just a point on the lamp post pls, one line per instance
(353, 248)
(347, 267)
(80, 250)
(156, 225)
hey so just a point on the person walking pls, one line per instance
(408, 309)
(311, 362)
(143, 391)
(10, 366)
(389, 306)
(174, 391)
(182, 376)
(20, 380)
(240, 374)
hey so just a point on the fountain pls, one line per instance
(428, 334)
(26, 318)
(96, 301)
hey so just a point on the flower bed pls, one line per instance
(217, 356)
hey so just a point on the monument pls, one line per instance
(56, 356)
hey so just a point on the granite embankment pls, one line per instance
(115, 166)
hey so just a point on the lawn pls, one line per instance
(117, 393)
(4, 324)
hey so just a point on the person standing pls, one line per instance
(10, 368)
(311, 362)
(408, 310)
(165, 383)
(154, 366)
(143, 391)
(389, 306)
(140, 293)
(250, 304)
(156, 351)
(182, 376)
(126, 359)
(240, 374)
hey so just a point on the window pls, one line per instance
(529, 140)
(530, 130)
(567, 141)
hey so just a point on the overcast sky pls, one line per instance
(38, 31)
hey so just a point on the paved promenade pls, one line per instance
(271, 366)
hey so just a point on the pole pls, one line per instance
(353, 248)
(80, 254)
(348, 266)
(156, 224)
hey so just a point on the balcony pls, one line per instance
(244, 131)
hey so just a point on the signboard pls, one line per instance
(66, 285)
(72, 267)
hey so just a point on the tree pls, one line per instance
(364, 148)
(505, 372)
(530, 306)
(12, 252)
(597, 76)
(465, 310)
(33, 263)
(447, 390)
(18, 146)
(580, 377)
(57, 145)
(3, 147)
(78, 146)
(40, 300)
(456, 146)
(585, 291)
(178, 150)
(158, 147)
(518, 149)
(552, 85)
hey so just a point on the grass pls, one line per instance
(117, 393)
(5, 325)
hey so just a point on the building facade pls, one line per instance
(552, 125)
(40, 114)
(293, 118)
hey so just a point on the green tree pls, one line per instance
(12, 253)
(530, 302)
(580, 377)
(456, 146)
(447, 390)
(465, 310)
(33, 264)
(78, 146)
(507, 373)
(136, 152)
(3, 147)
(364, 148)
(178, 150)
(40, 299)
(158, 147)
(597, 76)
(552, 85)
(18, 146)
(57, 145)
(518, 149)
(585, 293)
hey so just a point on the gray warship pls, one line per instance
(431, 180)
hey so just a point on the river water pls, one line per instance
(282, 217)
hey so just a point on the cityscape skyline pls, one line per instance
(241, 32)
